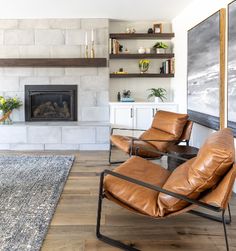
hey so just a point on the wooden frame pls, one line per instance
(200, 115)
(231, 42)
(157, 28)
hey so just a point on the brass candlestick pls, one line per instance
(86, 51)
(92, 50)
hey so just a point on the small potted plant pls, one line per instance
(160, 47)
(144, 65)
(158, 94)
(7, 105)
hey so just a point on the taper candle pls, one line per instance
(92, 36)
(86, 38)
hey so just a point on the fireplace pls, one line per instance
(51, 102)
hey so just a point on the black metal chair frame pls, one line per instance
(199, 203)
(136, 139)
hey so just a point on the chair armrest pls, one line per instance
(126, 129)
(159, 189)
(156, 151)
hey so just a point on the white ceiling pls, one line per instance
(164, 10)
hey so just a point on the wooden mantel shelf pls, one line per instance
(53, 62)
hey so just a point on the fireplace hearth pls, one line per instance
(51, 102)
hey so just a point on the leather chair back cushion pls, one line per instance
(187, 131)
(170, 122)
(214, 159)
(155, 134)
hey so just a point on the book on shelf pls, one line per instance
(169, 66)
(114, 46)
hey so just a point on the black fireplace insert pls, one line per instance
(51, 102)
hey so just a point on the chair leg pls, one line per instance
(229, 211)
(110, 152)
(225, 231)
(100, 236)
(109, 159)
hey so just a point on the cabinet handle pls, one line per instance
(131, 112)
(156, 110)
(153, 112)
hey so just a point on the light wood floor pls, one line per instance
(73, 225)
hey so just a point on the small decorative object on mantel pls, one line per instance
(158, 94)
(150, 31)
(126, 96)
(144, 65)
(157, 28)
(141, 50)
(118, 96)
(130, 30)
(160, 47)
(7, 105)
(121, 71)
(147, 50)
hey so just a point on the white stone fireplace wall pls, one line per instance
(56, 38)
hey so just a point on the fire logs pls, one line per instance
(49, 109)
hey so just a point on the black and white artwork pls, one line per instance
(204, 72)
(232, 67)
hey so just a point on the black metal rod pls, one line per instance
(208, 216)
(99, 210)
(101, 237)
(159, 189)
(110, 152)
(230, 218)
(225, 231)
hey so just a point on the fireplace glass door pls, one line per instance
(51, 104)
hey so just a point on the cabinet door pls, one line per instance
(122, 117)
(143, 116)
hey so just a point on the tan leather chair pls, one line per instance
(145, 188)
(167, 128)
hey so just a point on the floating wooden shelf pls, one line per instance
(138, 75)
(139, 56)
(53, 62)
(142, 35)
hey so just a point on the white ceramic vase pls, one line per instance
(157, 100)
(160, 50)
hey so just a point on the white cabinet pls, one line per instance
(143, 116)
(136, 115)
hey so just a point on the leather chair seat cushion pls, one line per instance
(170, 122)
(124, 142)
(201, 173)
(142, 199)
(156, 134)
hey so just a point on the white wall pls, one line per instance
(121, 9)
(189, 17)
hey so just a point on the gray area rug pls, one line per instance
(30, 188)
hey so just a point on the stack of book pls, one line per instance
(169, 66)
(127, 99)
(114, 46)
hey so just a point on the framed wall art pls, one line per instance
(206, 71)
(232, 66)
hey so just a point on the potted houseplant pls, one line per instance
(144, 65)
(160, 47)
(7, 105)
(158, 94)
